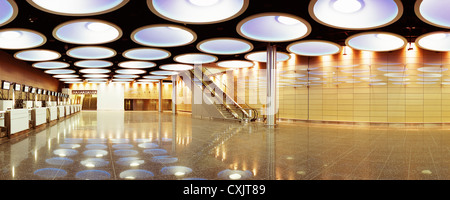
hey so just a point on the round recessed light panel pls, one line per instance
(195, 58)
(130, 71)
(314, 48)
(91, 52)
(435, 41)
(133, 64)
(93, 63)
(224, 46)
(163, 35)
(59, 71)
(356, 14)
(96, 75)
(261, 56)
(126, 76)
(376, 41)
(154, 77)
(37, 55)
(87, 32)
(274, 27)
(77, 7)
(164, 73)
(17, 38)
(434, 12)
(95, 71)
(176, 67)
(206, 11)
(8, 11)
(65, 76)
(235, 64)
(51, 65)
(146, 54)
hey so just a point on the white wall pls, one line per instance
(110, 97)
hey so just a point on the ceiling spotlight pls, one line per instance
(10, 34)
(204, 2)
(97, 26)
(287, 20)
(347, 6)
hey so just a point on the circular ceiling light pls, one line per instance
(37, 55)
(225, 46)
(123, 80)
(434, 12)
(93, 63)
(87, 32)
(435, 41)
(96, 76)
(59, 71)
(91, 52)
(356, 14)
(314, 48)
(137, 64)
(8, 11)
(195, 58)
(235, 64)
(206, 11)
(148, 80)
(163, 35)
(273, 27)
(77, 7)
(176, 67)
(70, 79)
(95, 71)
(376, 41)
(164, 73)
(126, 76)
(146, 54)
(51, 65)
(65, 76)
(17, 38)
(154, 77)
(130, 71)
(261, 56)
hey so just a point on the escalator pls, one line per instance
(89, 102)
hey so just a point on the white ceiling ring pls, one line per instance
(146, 54)
(376, 41)
(77, 7)
(91, 52)
(195, 58)
(314, 48)
(434, 12)
(8, 11)
(224, 46)
(19, 38)
(93, 63)
(434, 41)
(261, 56)
(163, 35)
(37, 55)
(87, 32)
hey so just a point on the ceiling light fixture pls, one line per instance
(347, 6)
(204, 2)
(287, 20)
(10, 34)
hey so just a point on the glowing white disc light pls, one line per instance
(137, 64)
(163, 35)
(235, 64)
(16, 38)
(376, 41)
(78, 7)
(87, 32)
(224, 46)
(206, 11)
(314, 48)
(51, 65)
(434, 12)
(60, 71)
(261, 56)
(435, 41)
(93, 63)
(8, 11)
(37, 55)
(91, 52)
(356, 14)
(195, 58)
(95, 71)
(154, 77)
(130, 71)
(176, 67)
(164, 73)
(146, 54)
(273, 27)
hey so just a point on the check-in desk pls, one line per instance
(67, 110)
(38, 116)
(61, 112)
(72, 109)
(53, 113)
(16, 120)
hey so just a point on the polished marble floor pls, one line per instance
(148, 145)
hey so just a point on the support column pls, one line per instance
(271, 75)
(160, 96)
(174, 94)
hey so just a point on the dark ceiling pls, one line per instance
(136, 14)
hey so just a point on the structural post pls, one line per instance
(174, 94)
(160, 96)
(271, 73)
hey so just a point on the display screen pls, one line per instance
(39, 91)
(33, 90)
(17, 87)
(26, 88)
(6, 85)
(44, 92)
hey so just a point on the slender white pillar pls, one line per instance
(271, 70)
(174, 94)
(160, 96)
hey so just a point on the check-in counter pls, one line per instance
(53, 113)
(72, 108)
(38, 116)
(16, 120)
(67, 110)
(61, 112)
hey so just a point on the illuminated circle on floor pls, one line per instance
(37, 55)
(94, 162)
(130, 161)
(95, 153)
(234, 174)
(165, 139)
(225, 46)
(51, 65)
(77, 7)
(195, 179)
(60, 161)
(93, 175)
(434, 12)
(65, 152)
(430, 75)
(314, 48)
(120, 140)
(122, 146)
(148, 145)
(146, 54)
(17, 38)
(125, 152)
(87, 32)
(50, 173)
(69, 146)
(356, 14)
(176, 170)
(93, 63)
(392, 68)
(143, 140)
(96, 146)
(273, 27)
(376, 41)
(163, 35)
(432, 69)
(155, 152)
(8, 11)
(197, 11)
(164, 159)
(136, 174)
(91, 52)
